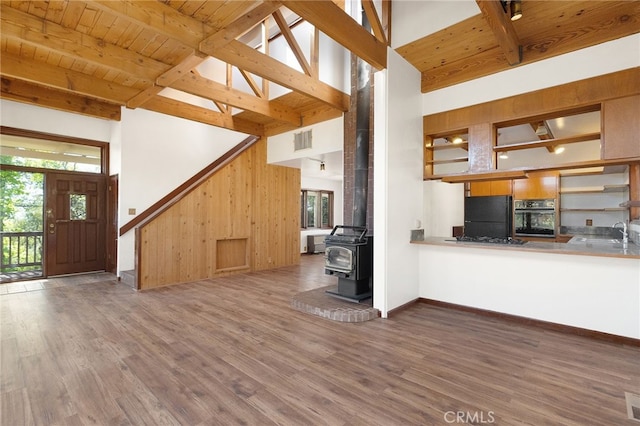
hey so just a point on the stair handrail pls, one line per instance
(181, 191)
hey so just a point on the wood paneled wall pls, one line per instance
(250, 208)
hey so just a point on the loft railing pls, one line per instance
(21, 250)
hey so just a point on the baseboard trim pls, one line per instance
(396, 311)
(552, 326)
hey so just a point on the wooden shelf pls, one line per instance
(464, 146)
(631, 203)
(607, 209)
(479, 177)
(595, 189)
(548, 143)
(451, 160)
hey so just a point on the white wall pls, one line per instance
(414, 19)
(327, 137)
(443, 208)
(593, 61)
(30, 117)
(397, 183)
(594, 293)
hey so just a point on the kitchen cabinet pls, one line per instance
(538, 186)
(621, 128)
(493, 187)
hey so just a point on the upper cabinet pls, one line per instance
(587, 123)
(621, 123)
(539, 186)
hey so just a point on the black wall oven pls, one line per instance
(535, 218)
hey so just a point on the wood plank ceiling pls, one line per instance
(93, 57)
(483, 44)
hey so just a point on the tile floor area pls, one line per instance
(46, 283)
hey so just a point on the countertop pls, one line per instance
(630, 251)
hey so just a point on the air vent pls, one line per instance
(633, 406)
(302, 140)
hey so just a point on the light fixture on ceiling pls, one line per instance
(504, 155)
(454, 140)
(542, 130)
(322, 166)
(516, 9)
(558, 149)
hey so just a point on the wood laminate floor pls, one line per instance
(232, 351)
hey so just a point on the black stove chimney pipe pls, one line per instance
(361, 157)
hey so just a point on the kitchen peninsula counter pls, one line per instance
(632, 251)
(589, 286)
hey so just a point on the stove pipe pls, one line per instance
(361, 157)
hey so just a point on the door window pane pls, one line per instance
(77, 206)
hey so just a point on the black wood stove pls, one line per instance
(349, 256)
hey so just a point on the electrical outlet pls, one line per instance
(132, 211)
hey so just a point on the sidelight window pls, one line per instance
(316, 209)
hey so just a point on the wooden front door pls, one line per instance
(75, 225)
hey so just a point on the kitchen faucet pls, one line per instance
(625, 234)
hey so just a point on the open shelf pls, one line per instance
(448, 161)
(607, 209)
(595, 189)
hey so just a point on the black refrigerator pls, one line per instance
(488, 216)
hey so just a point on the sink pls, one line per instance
(594, 240)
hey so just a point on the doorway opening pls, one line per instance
(53, 205)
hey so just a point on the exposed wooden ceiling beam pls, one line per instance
(335, 23)
(291, 40)
(168, 77)
(64, 79)
(29, 93)
(238, 27)
(176, 108)
(317, 115)
(374, 21)
(500, 24)
(252, 84)
(273, 70)
(214, 91)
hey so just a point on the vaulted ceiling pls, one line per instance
(95, 57)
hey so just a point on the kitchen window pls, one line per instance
(316, 209)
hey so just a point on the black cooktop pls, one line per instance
(491, 240)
